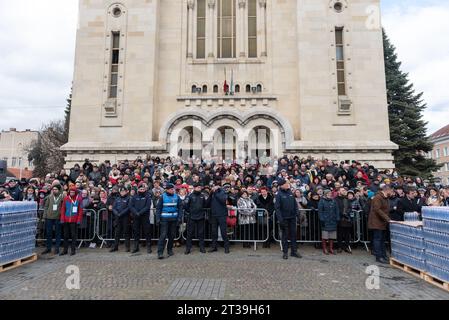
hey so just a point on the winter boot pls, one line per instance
(324, 245)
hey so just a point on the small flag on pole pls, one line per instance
(226, 86)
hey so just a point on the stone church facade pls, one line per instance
(302, 77)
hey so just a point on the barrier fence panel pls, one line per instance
(250, 226)
(86, 229)
(309, 227)
(106, 228)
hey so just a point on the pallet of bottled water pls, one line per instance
(17, 230)
(436, 233)
(407, 243)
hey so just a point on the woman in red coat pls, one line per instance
(71, 217)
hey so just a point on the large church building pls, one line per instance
(229, 79)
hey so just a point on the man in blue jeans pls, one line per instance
(52, 216)
(378, 221)
(168, 217)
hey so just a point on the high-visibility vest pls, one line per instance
(169, 206)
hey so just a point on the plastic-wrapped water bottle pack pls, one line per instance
(436, 234)
(17, 230)
(411, 216)
(408, 260)
(436, 213)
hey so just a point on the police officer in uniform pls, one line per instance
(195, 209)
(140, 206)
(120, 210)
(286, 211)
(168, 217)
(219, 213)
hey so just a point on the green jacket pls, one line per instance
(52, 202)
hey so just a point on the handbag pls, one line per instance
(231, 219)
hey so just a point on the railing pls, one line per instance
(251, 226)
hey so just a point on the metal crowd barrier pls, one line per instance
(86, 229)
(251, 226)
(106, 228)
(309, 227)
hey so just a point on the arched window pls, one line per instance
(259, 88)
(248, 88)
(215, 89)
(205, 89)
(237, 88)
(194, 89)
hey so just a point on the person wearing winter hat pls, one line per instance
(71, 217)
(168, 217)
(140, 206)
(120, 210)
(52, 216)
(329, 216)
(286, 209)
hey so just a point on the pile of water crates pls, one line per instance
(17, 230)
(436, 235)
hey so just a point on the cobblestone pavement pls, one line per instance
(243, 274)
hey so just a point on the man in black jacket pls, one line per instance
(195, 209)
(286, 210)
(140, 206)
(120, 210)
(219, 213)
(406, 204)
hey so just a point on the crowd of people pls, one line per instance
(194, 190)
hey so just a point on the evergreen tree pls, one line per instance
(407, 127)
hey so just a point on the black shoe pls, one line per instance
(46, 251)
(285, 256)
(202, 250)
(56, 251)
(72, 253)
(160, 256)
(296, 255)
(170, 254)
(149, 251)
(135, 250)
(63, 253)
(227, 250)
(128, 249)
(350, 252)
(114, 249)
(382, 260)
(187, 252)
(213, 250)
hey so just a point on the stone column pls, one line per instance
(210, 29)
(263, 25)
(190, 8)
(241, 34)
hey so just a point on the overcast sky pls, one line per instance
(37, 45)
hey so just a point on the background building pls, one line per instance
(304, 77)
(13, 149)
(441, 153)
